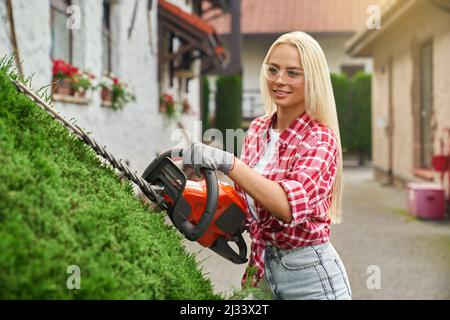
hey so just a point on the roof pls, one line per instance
(191, 19)
(313, 16)
(192, 28)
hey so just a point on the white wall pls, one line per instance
(4, 31)
(138, 131)
(33, 37)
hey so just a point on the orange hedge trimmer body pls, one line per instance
(195, 194)
(209, 212)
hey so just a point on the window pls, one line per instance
(351, 70)
(61, 47)
(106, 38)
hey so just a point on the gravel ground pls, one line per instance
(377, 236)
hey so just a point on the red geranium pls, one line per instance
(115, 81)
(62, 70)
(167, 105)
(168, 98)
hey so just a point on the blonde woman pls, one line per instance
(290, 174)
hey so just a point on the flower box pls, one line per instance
(80, 94)
(70, 81)
(107, 95)
(62, 86)
(115, 94)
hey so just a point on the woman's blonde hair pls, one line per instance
(319, 99)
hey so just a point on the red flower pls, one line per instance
(168, 98)
(63, 69)
(57, 65)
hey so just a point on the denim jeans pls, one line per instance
(313, 272)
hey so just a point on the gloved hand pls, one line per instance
(199, 155)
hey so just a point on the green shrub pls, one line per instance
(341, 89)
(205, 103)
(353, 103)
(60, 207)
(229, 105)
(361, 107)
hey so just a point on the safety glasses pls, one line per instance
(290, 76)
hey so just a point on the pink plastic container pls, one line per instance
(426, 200)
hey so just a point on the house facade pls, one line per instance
(410, 96)
(119, 37)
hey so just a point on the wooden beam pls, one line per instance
(133, 19)
(179, 32)
(181, 26)
(179, 53)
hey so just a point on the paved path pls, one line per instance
(413, 256)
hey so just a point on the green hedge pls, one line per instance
(341, 88)
(353, 102)
(229, 105)
(59, 207)
(361, 104)
(205, 103)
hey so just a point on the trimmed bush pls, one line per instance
(361, 107)
(341, 89)
(353, 103)
(60, 207)
(229, 105)
(205, 103)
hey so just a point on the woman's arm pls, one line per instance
(266, 192)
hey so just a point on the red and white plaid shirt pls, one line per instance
(305, 167)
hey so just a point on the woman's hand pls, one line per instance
(199, 155)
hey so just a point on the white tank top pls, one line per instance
(261, 164)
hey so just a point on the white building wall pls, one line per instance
(137, 132)
(5, 45)
(33, 37)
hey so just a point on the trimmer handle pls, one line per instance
(191, 231)
(222, 248)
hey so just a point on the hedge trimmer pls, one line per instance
(209, 212)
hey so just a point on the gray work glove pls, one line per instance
(199, 155)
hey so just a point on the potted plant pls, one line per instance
(115, 92)
(167, 105)
(106, 92)
(69, 80)
(83, 82)
(63, 74)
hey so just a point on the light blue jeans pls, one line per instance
(312, 272)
